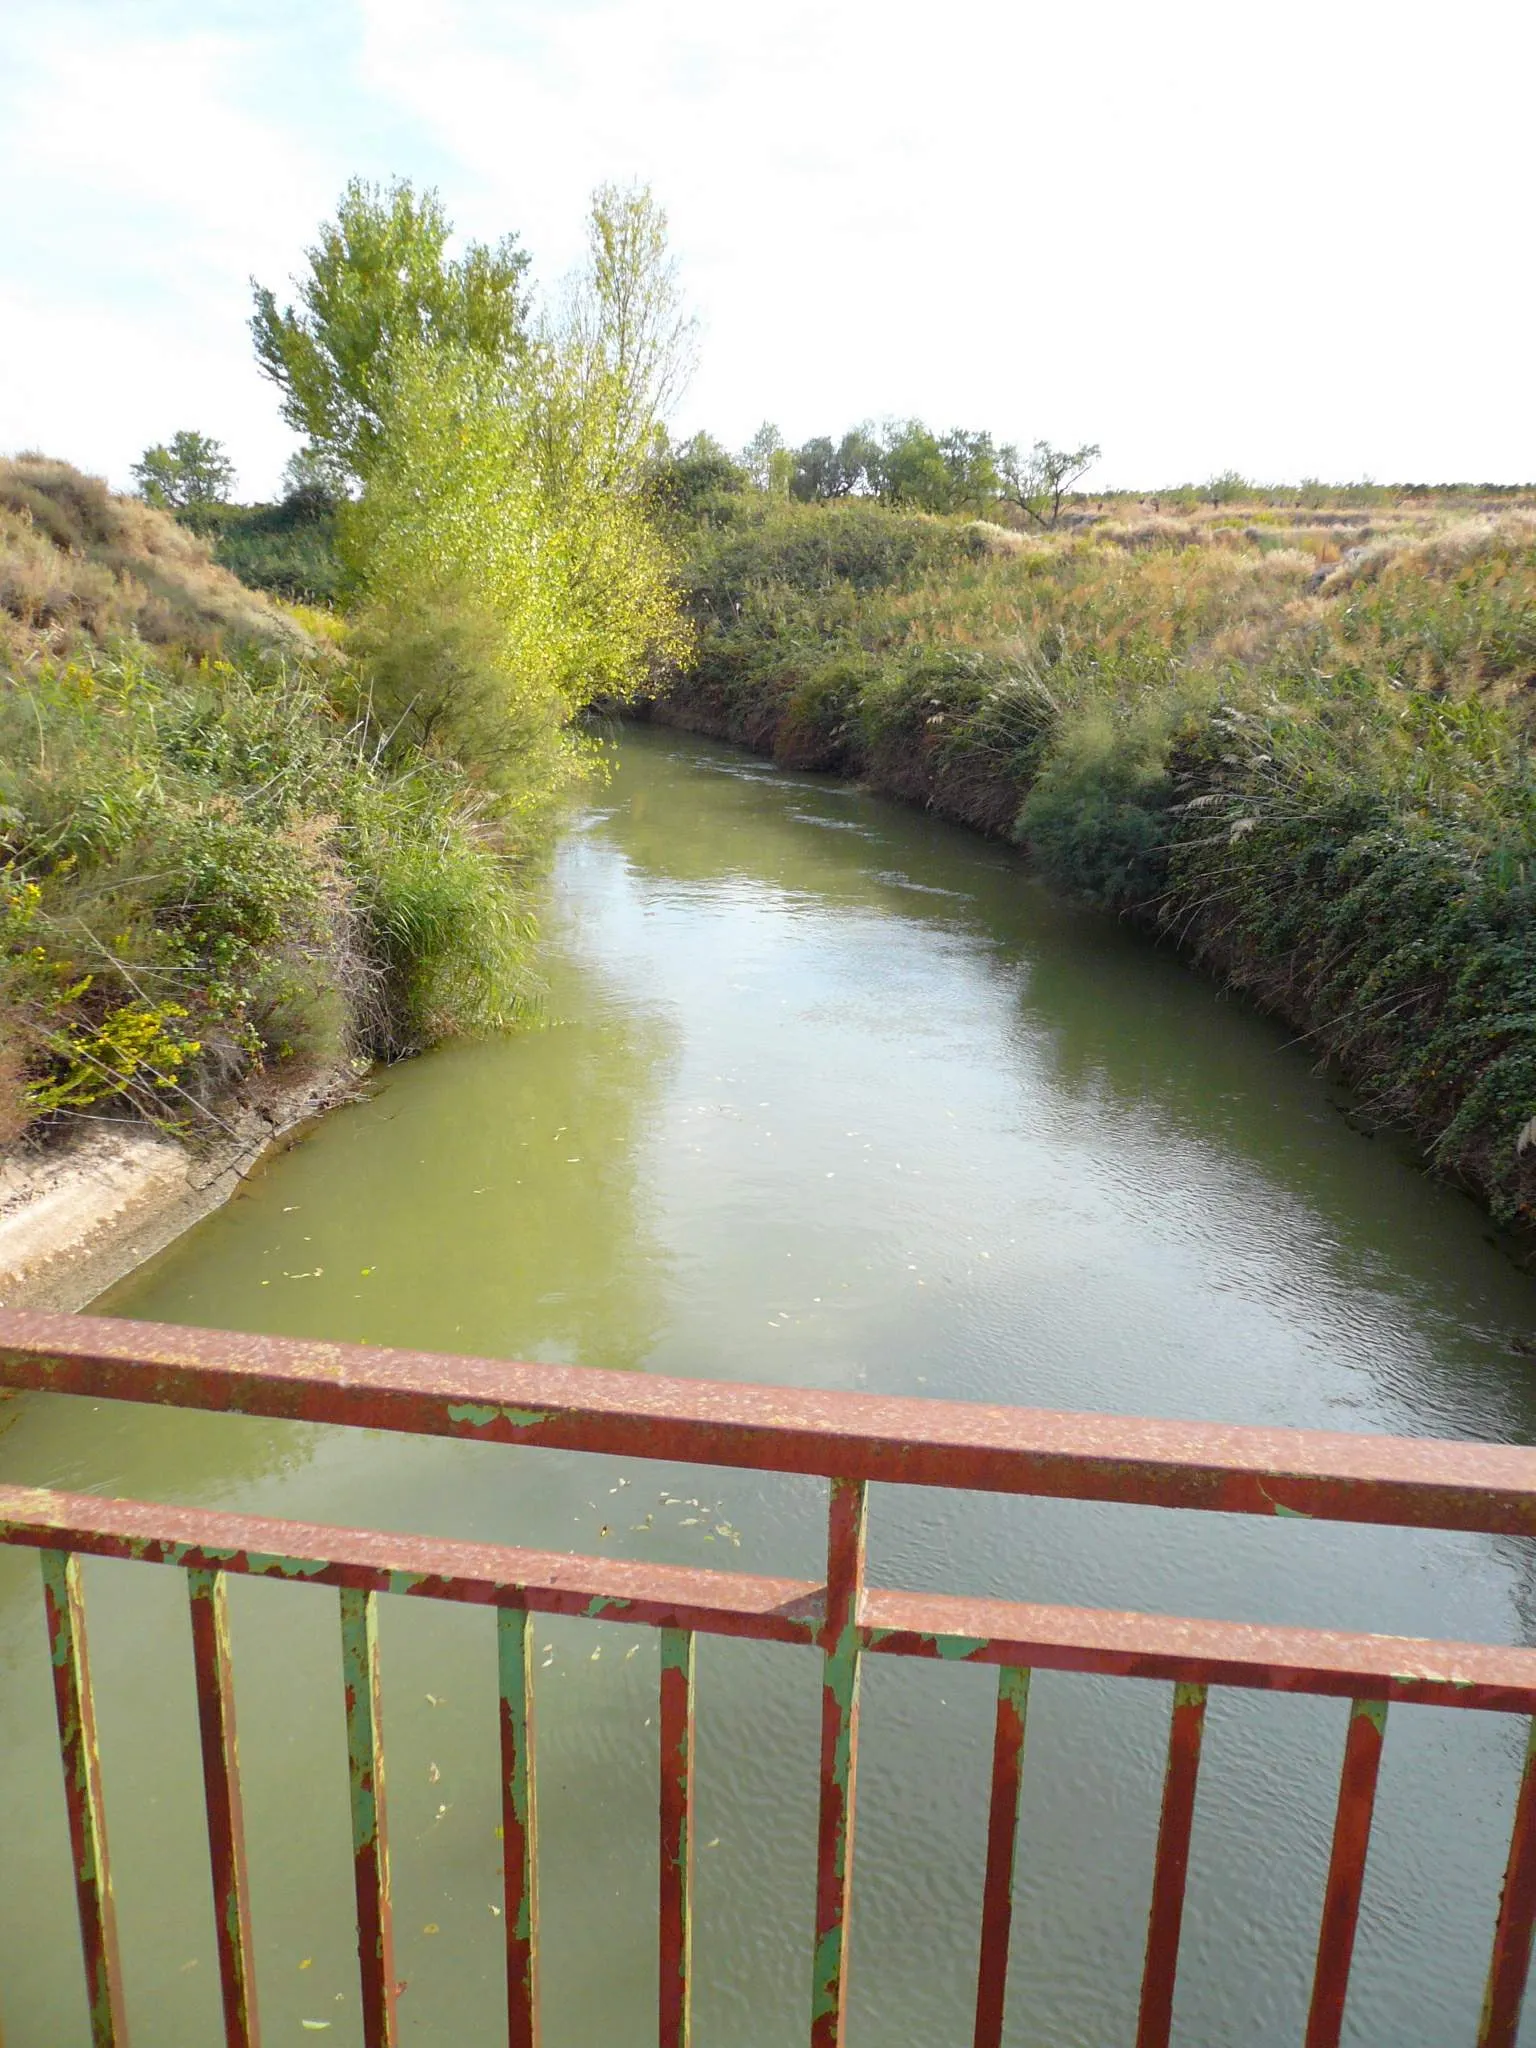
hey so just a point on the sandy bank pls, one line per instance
(76, 1218)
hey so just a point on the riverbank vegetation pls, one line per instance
(241, 839)
(1290, 731)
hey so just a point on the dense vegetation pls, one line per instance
(206, 872)
(241, 840)
(288, 548)
(1294, 738)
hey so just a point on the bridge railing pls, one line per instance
(851, 1440)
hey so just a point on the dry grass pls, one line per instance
(80, 567)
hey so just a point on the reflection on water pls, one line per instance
(825, 1094)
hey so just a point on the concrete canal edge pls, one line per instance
(75, 1218)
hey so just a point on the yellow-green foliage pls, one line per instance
(506, 582)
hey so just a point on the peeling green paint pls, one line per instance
(600, 1605)
(956, 1649)
(481, 1416)
(1374, 1711)
(271, 1565)
(827, 1970)
(519, 1811)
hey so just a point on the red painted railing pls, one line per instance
(852, 1440)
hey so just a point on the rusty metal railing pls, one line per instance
(851, 1440)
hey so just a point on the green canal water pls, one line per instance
(823, 1094)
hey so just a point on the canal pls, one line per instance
(826, 1094)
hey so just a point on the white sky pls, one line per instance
(1290, 239)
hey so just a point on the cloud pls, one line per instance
(1202, 235)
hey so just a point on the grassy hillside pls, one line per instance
(80, 568)
(210, 873)
(1295, 738)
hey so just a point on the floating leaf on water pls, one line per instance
(689, 1522)
(595, 1654)
(433, 1774)
(431, 1928)
(630, 1651)
(314, 2026)
(308, 1963)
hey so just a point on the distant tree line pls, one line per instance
(903, 463)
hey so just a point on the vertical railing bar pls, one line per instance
(208, 1602)
(519, 1824)
(76, 1709)
(1166, 1919)
(370, 1840)
(1002, 1847)
(675, 2016)
(846, 1524)
(1346, 1871)
(1511, 1960)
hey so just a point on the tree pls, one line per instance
(682, 479)
(970, 461)
(816, 471)
(823, 470)
(626, 335)
(505, 585)
(859, 459)
(913, 470)
(1038, 481)
(193, 470)
(379, 279)
(769, 463)
(312, 474)
(1229, 484)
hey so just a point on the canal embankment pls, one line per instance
(1296, 745)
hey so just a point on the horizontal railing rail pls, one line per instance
(852, 1440)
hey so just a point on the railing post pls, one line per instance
(370, 1840)
(1346, 1871)
(1511, 1961)
(519, 1825)
(76, 1709)
(221, 1791)
(1002, 1845)
(839, 1757)
(676, 1903)
(1166, 1919)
